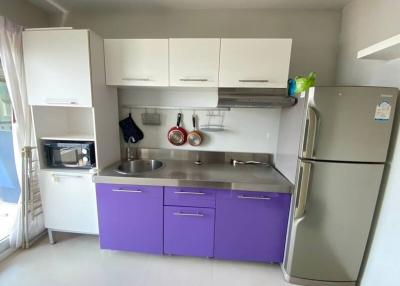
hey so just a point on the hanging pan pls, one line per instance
(194, 137)
(177, 135)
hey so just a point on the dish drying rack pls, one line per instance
(215, 121)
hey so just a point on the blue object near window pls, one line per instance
(9, 186)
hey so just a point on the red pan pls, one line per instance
(177, 135)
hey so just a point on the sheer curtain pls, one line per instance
(13, 66)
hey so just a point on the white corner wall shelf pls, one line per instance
(388, 49)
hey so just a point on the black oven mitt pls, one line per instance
(130, 129)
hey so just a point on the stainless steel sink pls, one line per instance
(138, 166)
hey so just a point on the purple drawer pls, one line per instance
(251, 225)
(130, 217)
(191, 197)
(189, 231)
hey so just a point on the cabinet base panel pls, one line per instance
(307, 282)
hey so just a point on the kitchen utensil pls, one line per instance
(130, 129)
(215, 122)
(151, 118)
(194, 137)
(177, 135)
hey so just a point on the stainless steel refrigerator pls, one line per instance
(333, 146)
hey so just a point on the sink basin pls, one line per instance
(138, 166)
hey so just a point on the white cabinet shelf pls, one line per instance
(386, 50)
(70, 137)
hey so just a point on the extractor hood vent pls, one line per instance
(254, 97)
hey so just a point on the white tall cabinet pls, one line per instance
(70, 101)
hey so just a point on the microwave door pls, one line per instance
(67, 157)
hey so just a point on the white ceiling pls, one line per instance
(77, 5)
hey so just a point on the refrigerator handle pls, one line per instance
(310, 133)
(302, 189)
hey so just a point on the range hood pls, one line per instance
(254, 97)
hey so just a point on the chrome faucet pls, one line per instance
(130, 151)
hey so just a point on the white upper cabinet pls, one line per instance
(57, 67)
(254, 62)
(136, 62)
(194, 62)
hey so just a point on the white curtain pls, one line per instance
(13, 67)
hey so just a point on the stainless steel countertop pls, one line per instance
(209, 175)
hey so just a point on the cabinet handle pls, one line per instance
(127, 191)
(56, 177)
(189, 214)
(253, 198)
(189, 193)
(136, 79)
(193, 79)
(61, 102)
(254, 80)
(68, 176)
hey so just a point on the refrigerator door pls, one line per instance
(351, 124)
(334, 206)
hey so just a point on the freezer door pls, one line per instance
(334, 206)
(351, 124)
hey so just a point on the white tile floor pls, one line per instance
(78, 261)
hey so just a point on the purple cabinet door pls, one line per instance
(130, 217)
(190, 197)
(251, 226)
(189, 231)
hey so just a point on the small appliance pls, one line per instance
(70, 154)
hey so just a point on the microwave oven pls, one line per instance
(70, 154)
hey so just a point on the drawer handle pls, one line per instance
(193, 79)
(67, 175)
(253, 198)
(136, 78)
(253, 80)
(127, 191)
(189, 214)
(189, 193)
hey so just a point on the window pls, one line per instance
(9, 186)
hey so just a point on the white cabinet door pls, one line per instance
(194, 62)
(254, 62)
(136, 62)
(69, 201)
(57, 67)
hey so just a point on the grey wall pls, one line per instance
(24, 13)
(315, 33)
(366, 22)
(315, 42)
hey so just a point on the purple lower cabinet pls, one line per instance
(189, 231)
(189, 197)
(130, 217)
(251, 226)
